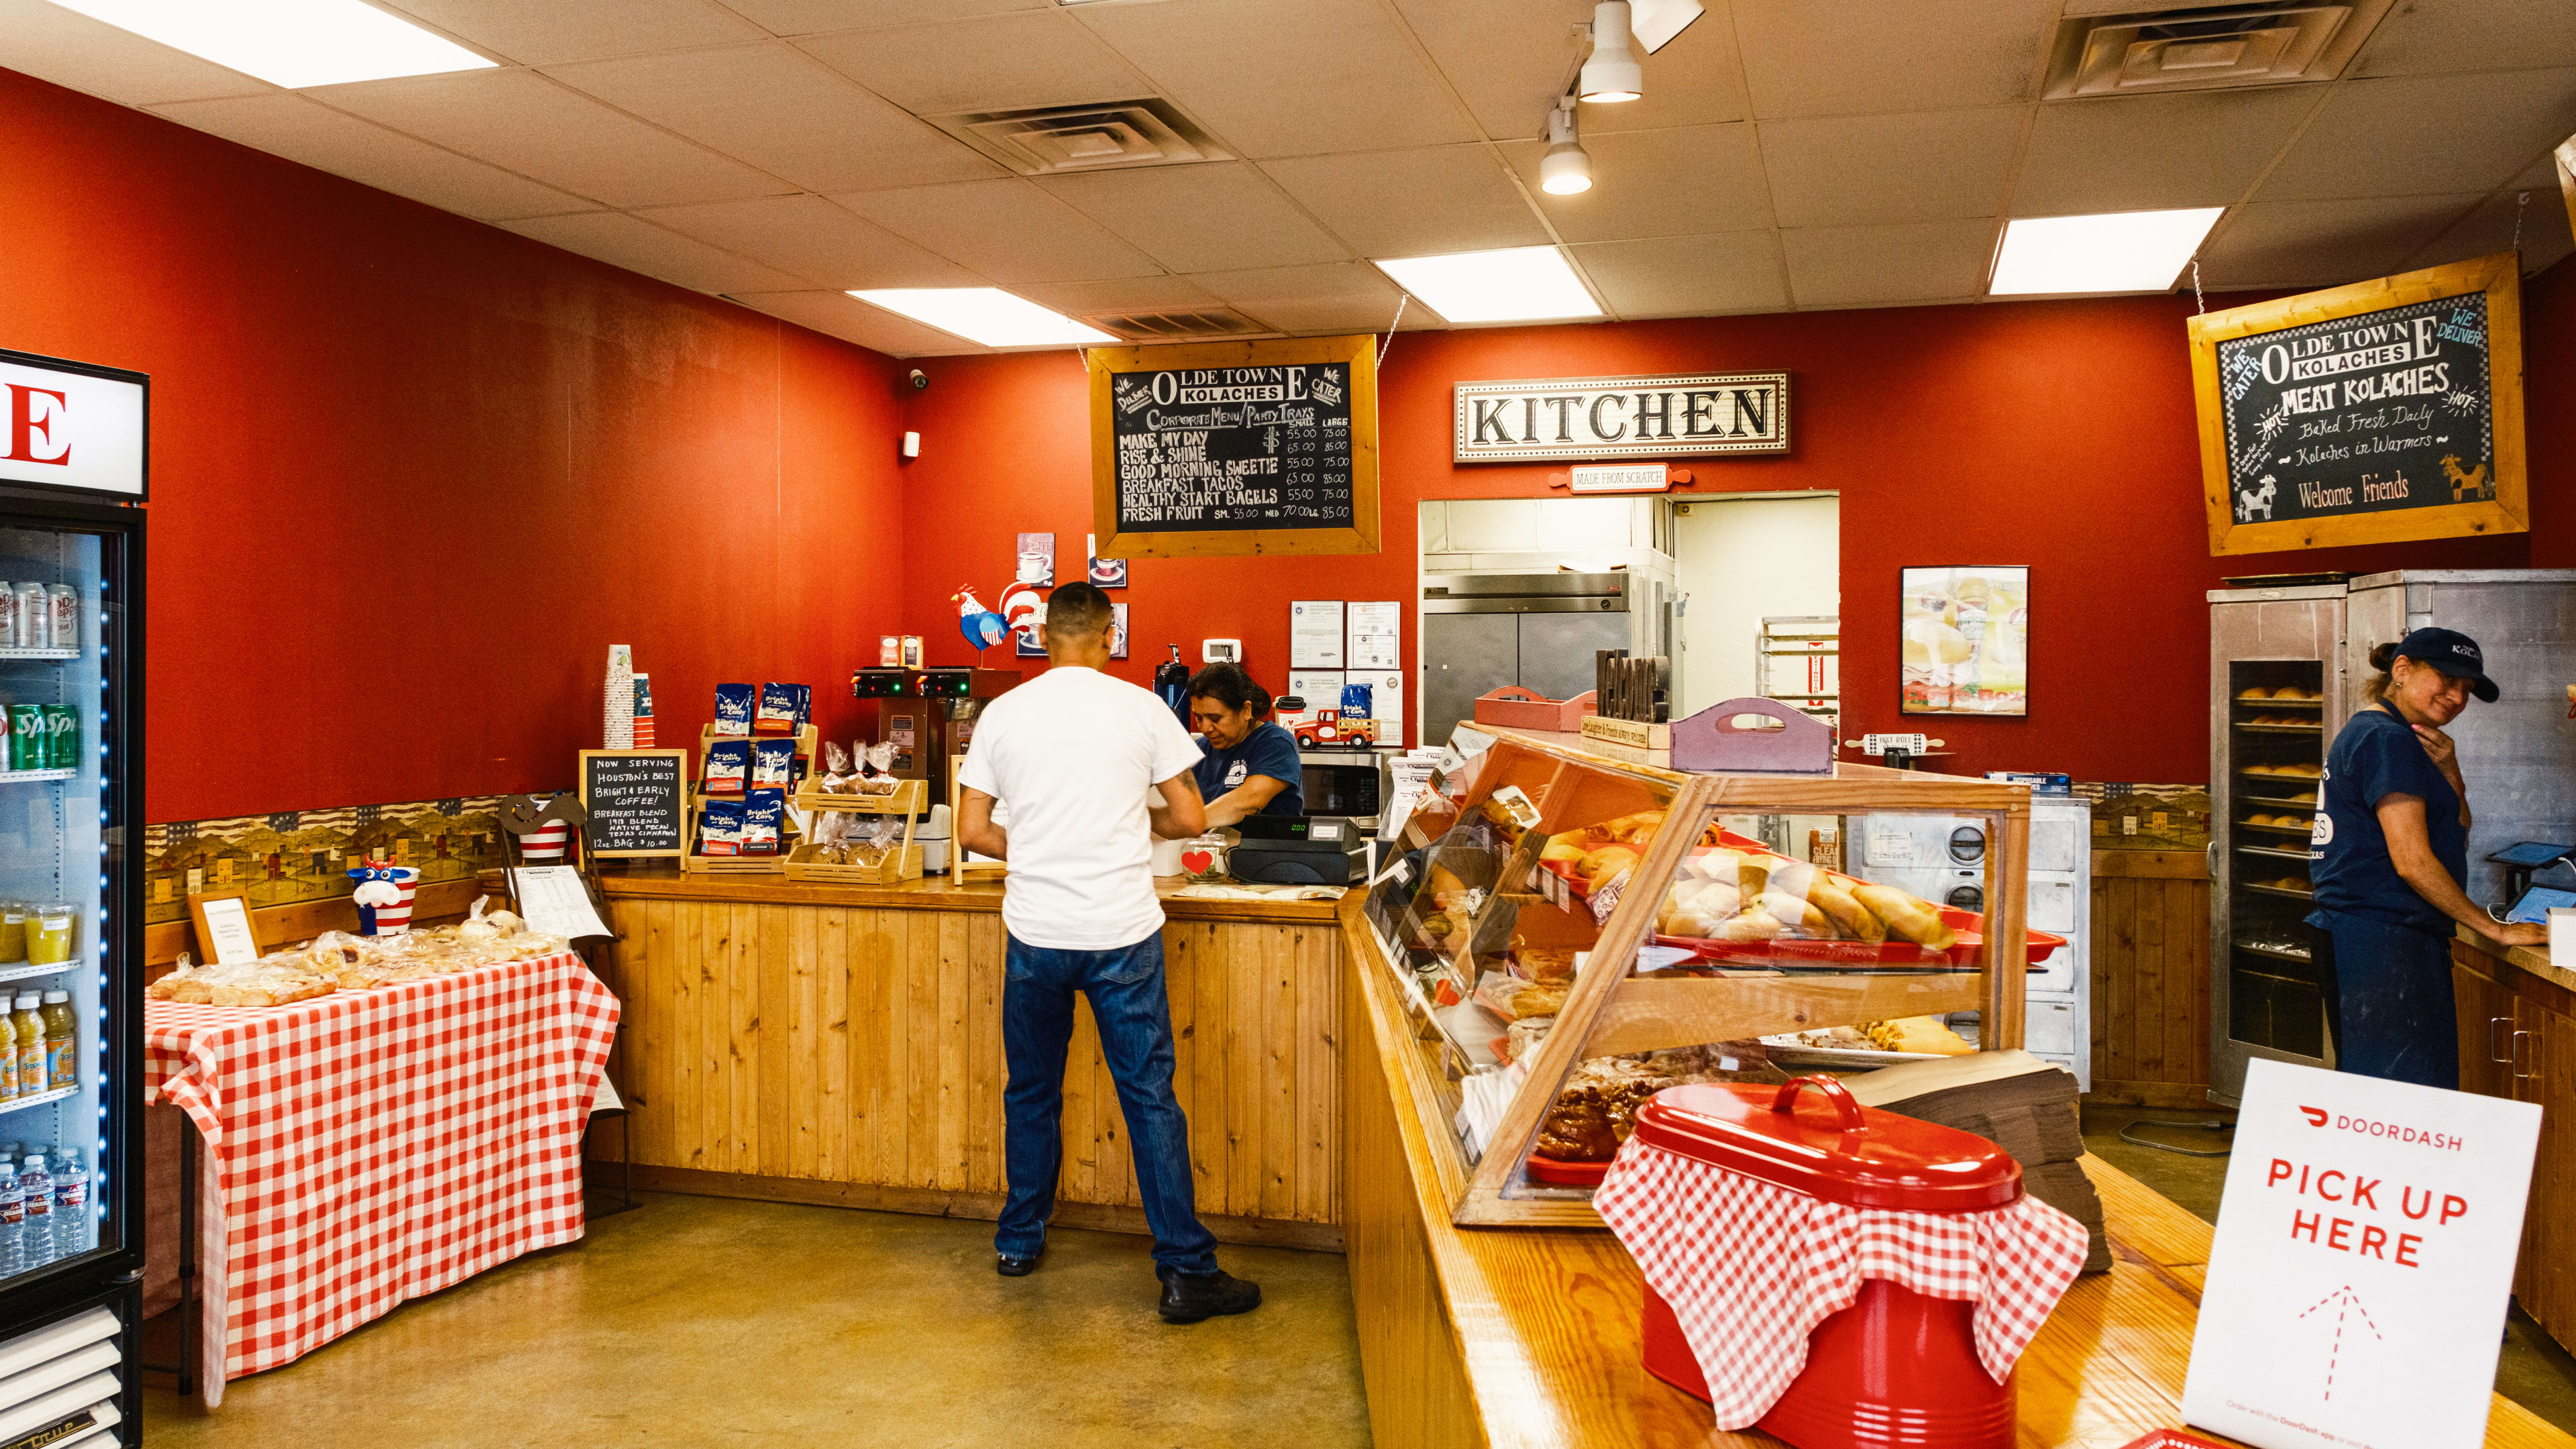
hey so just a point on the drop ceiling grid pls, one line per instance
(1369, 128)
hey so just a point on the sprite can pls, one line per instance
(29, 748)
(62, 737)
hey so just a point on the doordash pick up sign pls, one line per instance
(2383, 410)
(2364, 1252)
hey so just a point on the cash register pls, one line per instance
(1299, 850)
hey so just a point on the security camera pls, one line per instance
(920, 379)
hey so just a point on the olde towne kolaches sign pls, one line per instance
(1683, 416)
(2385, 410)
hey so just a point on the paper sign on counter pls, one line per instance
(228, 923)
(553, 899)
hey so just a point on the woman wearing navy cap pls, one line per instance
(2389, 856)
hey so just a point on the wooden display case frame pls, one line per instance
(1573, 787)
(909, 799)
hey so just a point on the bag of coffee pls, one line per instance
(722, 833)
(773, 764)
(777, 714)
(764, 815)
(733, 709)
(728, 767)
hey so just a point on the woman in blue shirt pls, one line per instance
(2388, 858)
(1250, 764)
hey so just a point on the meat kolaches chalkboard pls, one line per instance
(1235, 448)
(2380, 411)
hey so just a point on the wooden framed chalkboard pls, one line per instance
(1235, 448)
(638, 801)
(2365, 414)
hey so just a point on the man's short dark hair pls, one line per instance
(1076, 611)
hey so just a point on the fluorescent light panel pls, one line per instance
(985, 314)
(2125, 251)
(291, 43)
(1517, 284)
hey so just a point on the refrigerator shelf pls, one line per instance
(6, 776)
(2276, 953)
(14, 652)
(58, 1094)
(26, 970)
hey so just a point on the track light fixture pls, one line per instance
(1612, 72)
(1566, 169)
(1655, 22)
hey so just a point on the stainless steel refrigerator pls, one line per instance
(71, 535)
(1539, 631)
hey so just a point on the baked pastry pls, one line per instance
(1907, 918)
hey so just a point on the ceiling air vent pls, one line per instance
(1184, 326)
(1053, 140)
(2205, 48)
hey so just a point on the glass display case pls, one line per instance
(1569, 934)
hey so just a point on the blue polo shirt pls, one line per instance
(2378, 755)
(1267, 750)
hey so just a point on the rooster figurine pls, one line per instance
(982, 627)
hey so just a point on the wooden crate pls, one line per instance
(910, 797)
(900, 865)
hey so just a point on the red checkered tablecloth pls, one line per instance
(1750, 1268)
(370, 1147)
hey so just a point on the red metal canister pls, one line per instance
(1897, 1369)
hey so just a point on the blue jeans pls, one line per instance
(1135, 1025)
(2388, 999)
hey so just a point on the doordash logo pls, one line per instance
(2372, 1127)
(2316, 1115)
(38, 426)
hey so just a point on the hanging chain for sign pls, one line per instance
(2520, 203)
(2197, 299)
(1400, 299)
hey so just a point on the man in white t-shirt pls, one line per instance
(1090, 769)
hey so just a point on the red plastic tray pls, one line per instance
(1566, 1174)
(2037, 946)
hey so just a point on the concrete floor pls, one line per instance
(702, 1321)
(2533, 1370)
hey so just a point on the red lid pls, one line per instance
(1847, 1153)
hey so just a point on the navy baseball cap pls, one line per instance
(2453, 653)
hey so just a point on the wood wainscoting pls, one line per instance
(2150, 978)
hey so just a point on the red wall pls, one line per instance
(2057, 434)
(412, 475)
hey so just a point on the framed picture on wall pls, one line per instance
(1966, 640)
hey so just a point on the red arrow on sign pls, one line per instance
(2347, 1303)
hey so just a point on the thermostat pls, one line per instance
(1220, 651)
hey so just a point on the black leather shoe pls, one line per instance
(1189, 1297)
(1010, 1267)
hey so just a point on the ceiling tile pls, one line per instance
(1295, 80)
(1690, 181)
(813, 126)
(1927, 166)
(807, 17)
(1509, 60)
(837, 314)
(285, 124)
(1008, 230)
(561, 30)
(2423, 37)
(2323, 243)
(2490, 229)
(1687, 276)
(1414, 203)
(1924, 261)
(53, 44)
(2422, 135)
(998, 62)
(521, 121)
(2154, 153)
(1217, 217)
(815, 240)
(1804, 58)
(1124, 294)
(1344, 297)
(621, 240)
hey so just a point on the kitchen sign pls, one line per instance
(2364, 414)
(2365, 1248)
(1682, 416)
(72, 425)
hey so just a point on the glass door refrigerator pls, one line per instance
(71, 1230)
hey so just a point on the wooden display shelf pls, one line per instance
(910, 797)
(807, 739)
(900, 864)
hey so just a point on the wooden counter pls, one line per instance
(2518, 1041)
(1528, 1337)
(843, 1045)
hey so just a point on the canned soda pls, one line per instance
(62, 737)
(35, 618)
(29, 748)
(62, 604)
(11, 636)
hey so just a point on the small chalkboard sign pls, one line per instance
(2363, 414)
(638, 801)
(1235, 448)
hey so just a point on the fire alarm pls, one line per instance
(912, 445)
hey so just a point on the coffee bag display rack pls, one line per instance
(696, 861)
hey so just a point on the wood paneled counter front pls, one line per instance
(843, 1045)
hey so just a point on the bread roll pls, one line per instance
(1708, 897)
(1907, 919)
(1714, 864)
(1753, 925)
(1796, 914)
(1852, 920)
(1605, 864)
(1564, 850)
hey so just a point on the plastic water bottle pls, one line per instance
(36, 1234)
(13, 1216)
(71, 1206)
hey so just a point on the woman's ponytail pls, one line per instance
(2382, 657)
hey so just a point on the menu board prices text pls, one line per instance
(1233, 447)
(2385, 410)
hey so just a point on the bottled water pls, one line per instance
(71, 1206)
(36, 1189)
(13, 1216)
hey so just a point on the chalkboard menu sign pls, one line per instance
(2386, 410)
(638, 801)
(1235, 448)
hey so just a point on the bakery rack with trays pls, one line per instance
(1467, 895)
(908, 799)
(808, 741)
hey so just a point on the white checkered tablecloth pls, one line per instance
(370, 1147)
(1750, 1268)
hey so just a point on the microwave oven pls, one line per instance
(1352, 784)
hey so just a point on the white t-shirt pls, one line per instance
(1075, 754)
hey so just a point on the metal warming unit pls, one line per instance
(1540, 631)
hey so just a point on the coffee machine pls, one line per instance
(929, 715)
